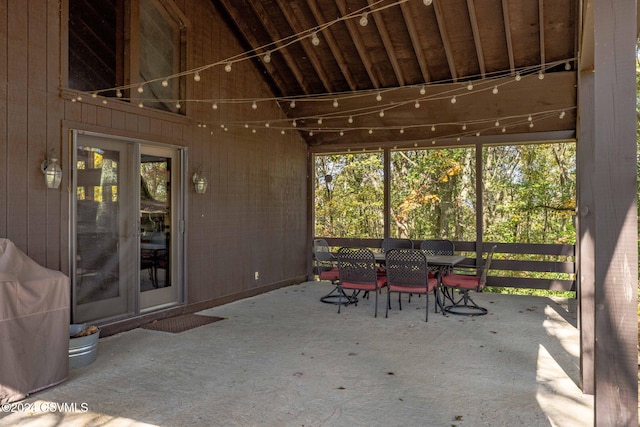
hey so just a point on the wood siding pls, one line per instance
(254, 214)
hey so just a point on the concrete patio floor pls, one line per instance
(286, 359)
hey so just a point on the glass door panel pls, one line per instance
(159, 187)
(104, 234)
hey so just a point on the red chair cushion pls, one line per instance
(332, 274)
(380, 282)
(461, 281)
(431, 285)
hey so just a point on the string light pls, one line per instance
(341, 133)
(427, 2)
(254, 105)
(227, 67)
(470, 86)
(320, 120)
(196, 77)
(518, 77)
(165, 83)
(381, 113)
(567, 66)
(350, 119)
(94, 95)
(401, 130)
(292, 104)
(453, 100)
(267, 57)
(417, 104)
(540, 75)
(495, 90)
(433, 128)
(119, 93)
(497, 123)
(214, 105)
(140, 89)
(335, 103)
(364, 21)
(561, 116)
(423, 90)
(140, 105)
(314, 39)
(370, 131)
(379, 97)
(178, 105)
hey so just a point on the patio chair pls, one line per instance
(327, 269)
(464, 284)
(395, 243)
(408, 272)
(357, 268)
(437, 247)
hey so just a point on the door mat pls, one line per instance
(180, 323)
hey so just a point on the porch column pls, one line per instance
(607, 210)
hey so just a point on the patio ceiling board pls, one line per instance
(410, 44)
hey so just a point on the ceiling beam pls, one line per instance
(333, 45)
(445, 40)
(541, 26)
(359, 44)
(388, 45)
(274, 34)
(507, 34)
(476, 37)
(306, 45)
(415, 41)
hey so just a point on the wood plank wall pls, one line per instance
(254, 214)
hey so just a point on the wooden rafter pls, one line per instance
(415, 41)
(275, 35)
(306, 44)
(507, 34)
(333, 45)
(541, 26)
(388, 45)
(445, 40)
(476, 37)
(359, 44)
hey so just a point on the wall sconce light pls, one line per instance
(51, 170)
(199, 183)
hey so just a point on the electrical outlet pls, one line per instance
(256, 275)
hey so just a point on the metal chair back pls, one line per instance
(395, 243)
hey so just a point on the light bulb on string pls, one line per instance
(567, 66)
(401, 130)
(314, 39)
(529, 118)
(118, 93)
(253, 130)
(427, 2)
(518, 77)
(294, 124)
(165, 83)
(104, 101)
(379, 97)
(531, 124)
(227, 67)
(453, 99)
(464, 126)
(341, 133)
(214, 106)
(562, 114)
(140, 105)
(495, 90)
(246, 126)
(254, 105)
(335, 103)
(292, 104)
(433, 128)
(497, 123)
(370, 131)
(79, 97)
(423, 90)
(178, 105)
(540, 75)
(504, 129)
(196, 77)
(282, 131)
(320, 120)
(94, 95)
(363, 20)
(310, 133)
(381, 113)
(417, 104)
(350, 119)
(470, 86)
(266, 125)
(477, 133)
(267, 57)
(140, 89)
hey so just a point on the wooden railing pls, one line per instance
(510, 266)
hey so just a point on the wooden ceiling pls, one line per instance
(446, 72)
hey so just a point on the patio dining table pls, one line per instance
(443, 262)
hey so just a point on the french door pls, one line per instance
(127, 227)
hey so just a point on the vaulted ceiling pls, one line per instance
(445, 71)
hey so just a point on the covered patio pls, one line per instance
(284, 358)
